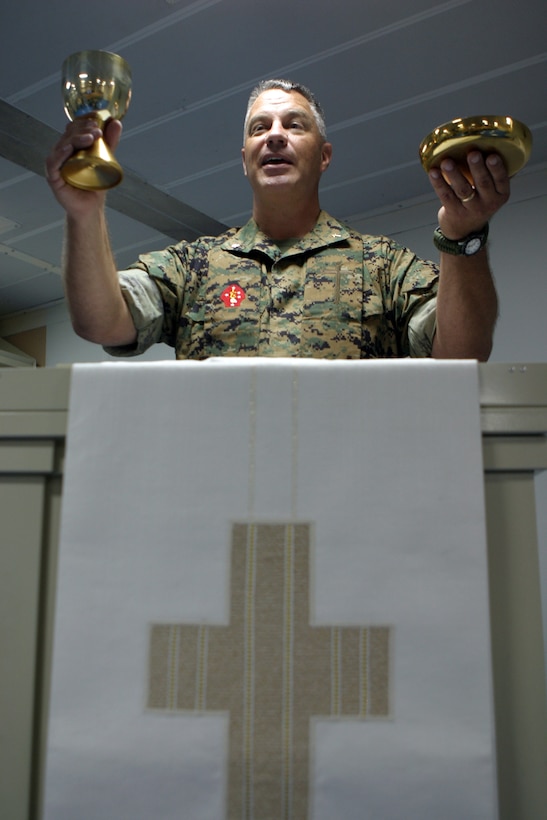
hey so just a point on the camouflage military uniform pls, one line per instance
(333, 294)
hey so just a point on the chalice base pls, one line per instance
(93, 169)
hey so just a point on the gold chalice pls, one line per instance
(95, 84)
(509, 138)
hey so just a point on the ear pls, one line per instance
(243, 160)
(326, 155)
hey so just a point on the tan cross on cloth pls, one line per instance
(271, 670)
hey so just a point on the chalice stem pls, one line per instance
(93, 168)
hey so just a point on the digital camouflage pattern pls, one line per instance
(334, 294)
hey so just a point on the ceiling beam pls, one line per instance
(26, 141)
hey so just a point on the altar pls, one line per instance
(512, 421)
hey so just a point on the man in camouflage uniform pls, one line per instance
(293, 281)
(329, 295)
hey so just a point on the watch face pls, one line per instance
(473, 246)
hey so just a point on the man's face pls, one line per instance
(283, 147)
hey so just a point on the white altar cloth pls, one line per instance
(371, 471)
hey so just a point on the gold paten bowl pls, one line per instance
(489, 134)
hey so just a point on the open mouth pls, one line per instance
(275, 161)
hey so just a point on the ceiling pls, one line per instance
(386, 71)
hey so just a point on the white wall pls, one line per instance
(518, 254)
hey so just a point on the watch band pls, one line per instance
(467, 246)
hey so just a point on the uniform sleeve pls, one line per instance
(421, 329)
(146, 307)
(154, 289)
(413, 286)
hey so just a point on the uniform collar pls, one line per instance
(327, 231)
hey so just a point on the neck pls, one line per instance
(280, 222)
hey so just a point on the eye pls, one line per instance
(257, 128)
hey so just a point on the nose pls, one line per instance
(277, 134)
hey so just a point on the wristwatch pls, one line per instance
(467, 246)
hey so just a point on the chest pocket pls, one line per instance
(336, 300)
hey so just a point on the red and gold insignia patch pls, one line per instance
(233, 295)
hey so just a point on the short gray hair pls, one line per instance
(288, 86)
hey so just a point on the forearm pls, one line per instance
(467, 308)
(467, 304)
(97, 308)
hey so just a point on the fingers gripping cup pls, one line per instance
(95, 84)
(508, 137)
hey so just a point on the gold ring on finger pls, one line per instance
(468, 198)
